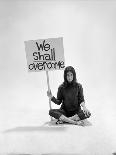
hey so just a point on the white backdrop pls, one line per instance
(88, 29)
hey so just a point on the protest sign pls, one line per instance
(45, 54)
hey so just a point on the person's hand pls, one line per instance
(86, 111)
(49, 94)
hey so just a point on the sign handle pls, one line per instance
(49, 90)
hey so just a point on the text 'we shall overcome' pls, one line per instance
(45, 58)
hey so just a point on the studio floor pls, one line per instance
(99, 138)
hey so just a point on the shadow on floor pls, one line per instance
(61, 154)
(19, 154)
(47, 126)
(45, 154)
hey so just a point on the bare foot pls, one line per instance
(75, 117)
(80, 123)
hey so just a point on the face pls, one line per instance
(69, 77)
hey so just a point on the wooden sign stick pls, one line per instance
(49, 91)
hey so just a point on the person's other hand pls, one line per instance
(86, 112)
(49, 94)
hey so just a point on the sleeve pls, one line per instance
(80, 95)
(59, 98)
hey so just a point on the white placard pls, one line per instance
(45, 54)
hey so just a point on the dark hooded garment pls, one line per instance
(69, 95)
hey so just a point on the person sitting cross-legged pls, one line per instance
(70, 96)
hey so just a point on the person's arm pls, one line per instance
(85, 110)
(59, 98)
(82, 102)
(81, 99)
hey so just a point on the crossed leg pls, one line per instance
(80, 117)
(76, 119)
(60, 114)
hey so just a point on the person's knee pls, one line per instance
(51, 112)
(82, 116)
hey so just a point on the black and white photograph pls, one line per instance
(57, 77)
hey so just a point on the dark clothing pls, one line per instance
(56, 113)
(70, 97)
